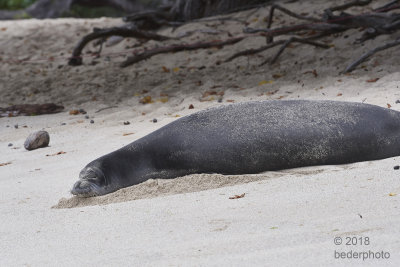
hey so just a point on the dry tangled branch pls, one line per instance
(372, 24)
(76, 59)
(179, 47)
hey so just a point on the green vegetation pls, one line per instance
(22, 15)
(79, 11)
(15, 4)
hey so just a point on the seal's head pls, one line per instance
(92, 182)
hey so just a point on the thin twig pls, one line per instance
(254, 51)
(349, 4)
(291, 40)
(389, 6)
(105, 108)
(364, 57)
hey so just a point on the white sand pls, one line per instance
(289, 217)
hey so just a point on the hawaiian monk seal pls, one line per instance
(249, 137)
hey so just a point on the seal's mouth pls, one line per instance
(91, 183)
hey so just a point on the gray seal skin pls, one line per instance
(249, 137)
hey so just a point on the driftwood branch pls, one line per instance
(76, 58)
(296, 28)
(348, 5)
(179, 47)
(284, 44)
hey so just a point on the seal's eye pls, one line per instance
(87, 173)
(90, 173)
(94, 175)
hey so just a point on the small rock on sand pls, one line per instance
(37, 140)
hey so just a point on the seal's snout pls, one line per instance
(91, 183)
(85, 188)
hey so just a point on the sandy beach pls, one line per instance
(291, 217)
